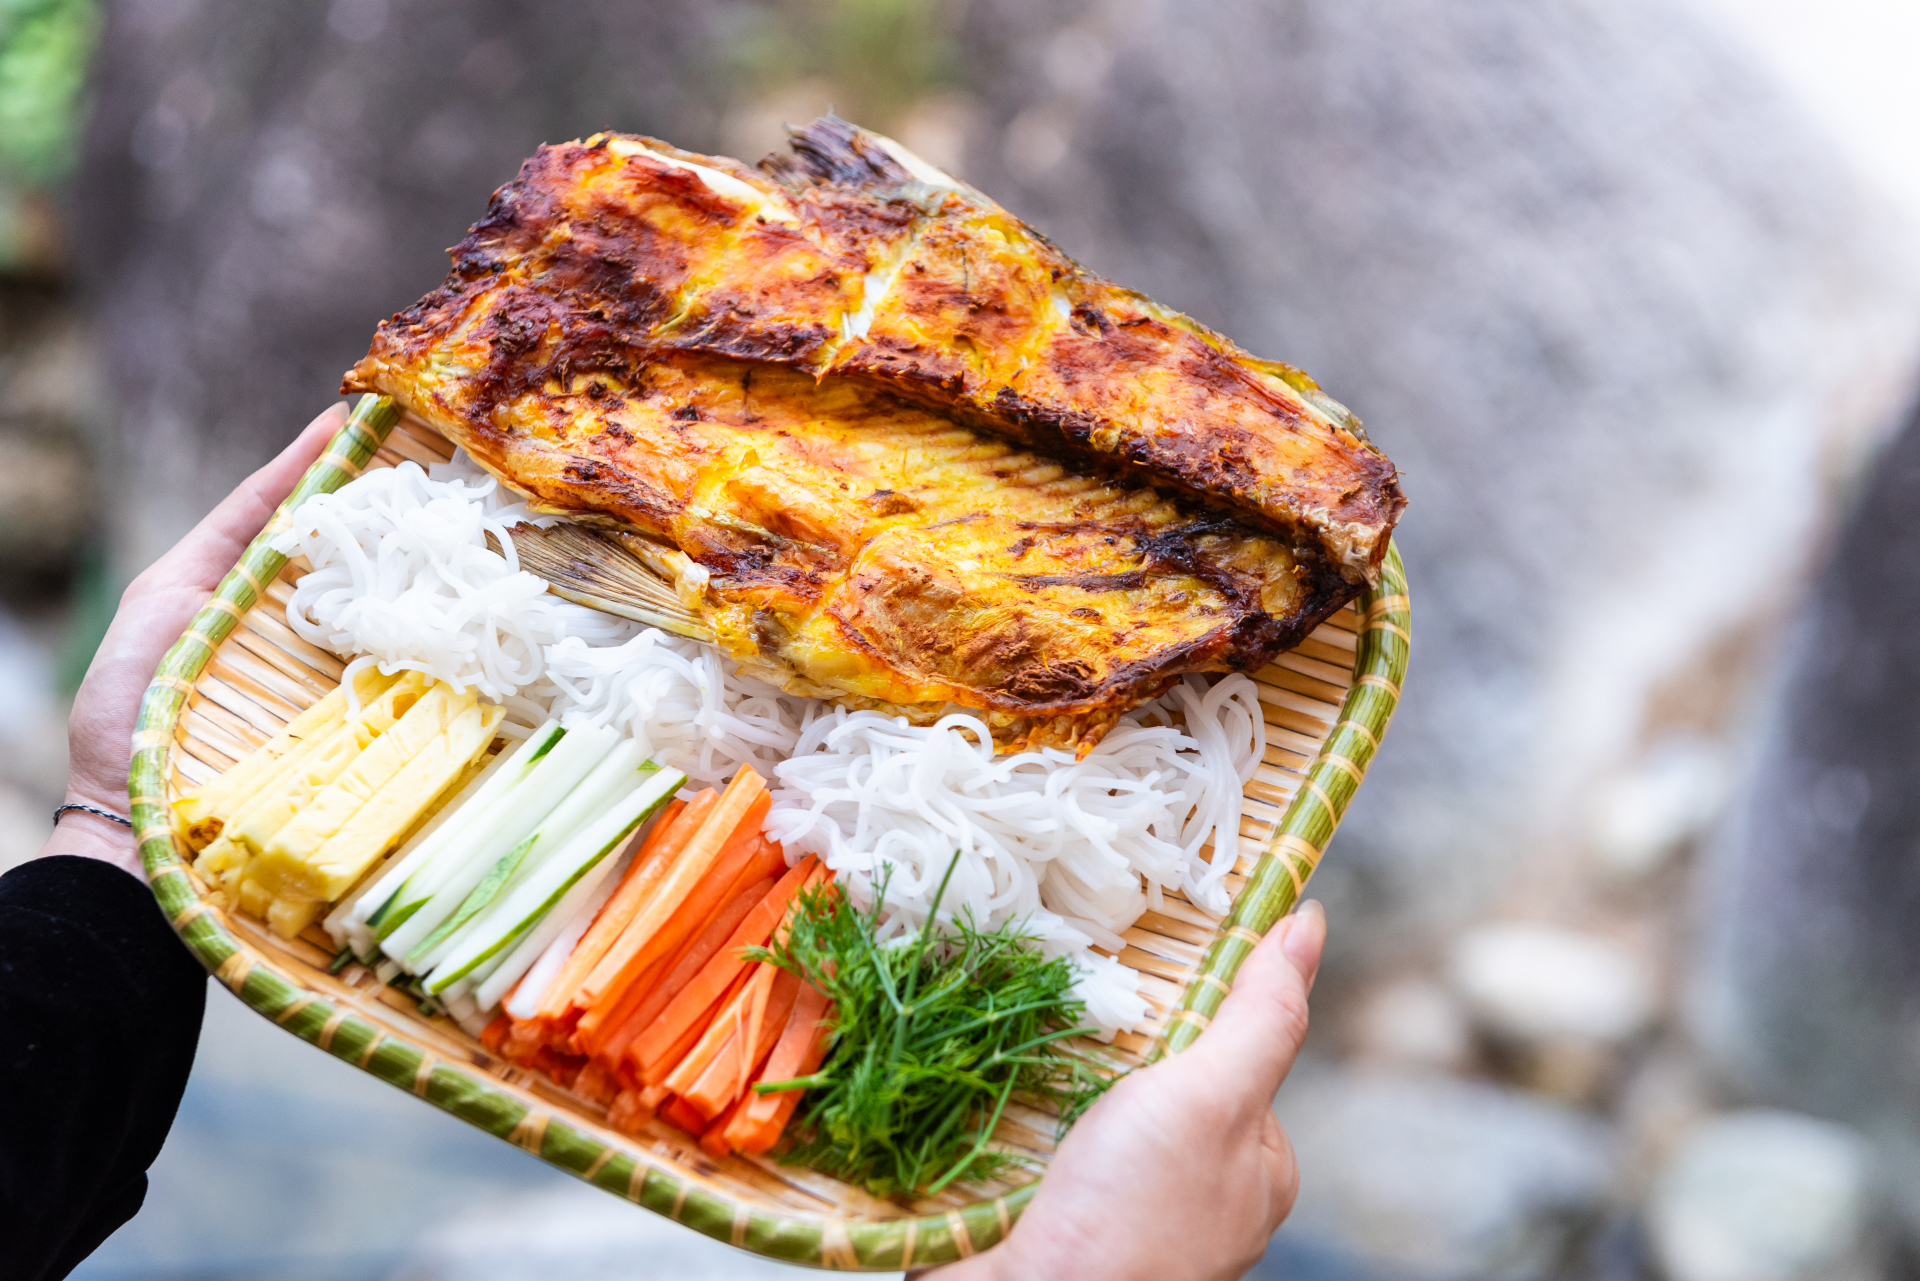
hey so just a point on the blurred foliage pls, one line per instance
(880, 56)
(44, 47)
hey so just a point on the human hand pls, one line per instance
(1182, 1172)
(156, 607)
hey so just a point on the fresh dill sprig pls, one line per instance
(933, 1035)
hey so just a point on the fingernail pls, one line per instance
(1306, 932)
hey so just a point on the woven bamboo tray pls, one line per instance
(239, 674)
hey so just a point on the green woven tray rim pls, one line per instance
(822, 1240)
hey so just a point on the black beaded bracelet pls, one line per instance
(96, 811)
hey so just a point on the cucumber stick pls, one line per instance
(561, 928)
(558, 759)
(612, 778)
(436, 892)
(477, 898)
(513, 767)
(549, 883)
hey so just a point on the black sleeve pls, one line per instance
(100, 1008)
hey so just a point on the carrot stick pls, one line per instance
(719, 1052)
(610, 1033)
(593, 1032)
(629, 1112)
(596, 1083)
(802, 1047)
(713, 1141)
(679, 1113)
(695, 954)
(494, 1035)
(662, 926)
(769, 1002)
(716, 1048)
(707, 896)
(685, 1043)
(698, 996)
(661, 851)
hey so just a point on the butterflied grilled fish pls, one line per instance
(839, 534)
(841, 543)
(854, 257)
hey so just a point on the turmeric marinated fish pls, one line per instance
(840, 543)
(875, 538)
(853, 257)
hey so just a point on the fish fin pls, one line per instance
(591, 569)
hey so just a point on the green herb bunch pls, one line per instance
(932, 1037)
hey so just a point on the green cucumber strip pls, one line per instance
(376, 907)
(440, 888)
(481, 895)
(399, 918)
(546, 887)
(614, 777)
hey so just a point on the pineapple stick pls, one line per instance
(204, 812)
(310, 769)
(378, 762)
(301, 888)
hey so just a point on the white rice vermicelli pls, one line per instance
(680, 700)
(402, 576)
(1077, 849)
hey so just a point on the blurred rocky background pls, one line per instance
(1623, 983)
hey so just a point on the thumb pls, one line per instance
(1262, 1023)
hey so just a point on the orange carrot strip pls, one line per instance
(629, 1112)
(716, 1048)
(680, 1114)
(695, 954)
(494, 1035)
(722, 1048)
(668, 918)
(714, 1140)
(703, 899)
(769, 1001)
(802, 1047)
(591, 1033)
(772, 1022)
(596, 1083)
(610, 1034)
(698, 996)
(688, 1039)
(661, 851)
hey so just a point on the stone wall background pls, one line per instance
(1631, 328)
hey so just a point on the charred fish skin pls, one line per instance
(852, 257)
(855, 546)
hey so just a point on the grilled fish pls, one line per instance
(854, 257)
(880, 539)
(841, 543)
